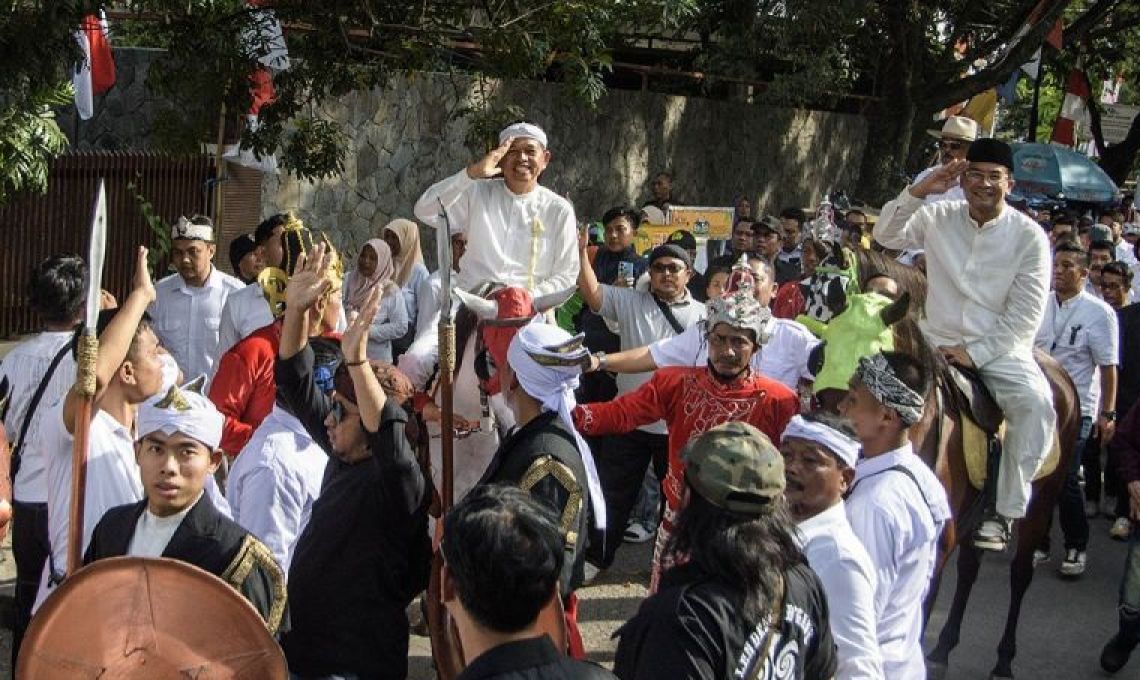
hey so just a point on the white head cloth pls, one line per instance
(845, 448)
(182, 409)
(523, 131)
(185, 229)
(553, 382)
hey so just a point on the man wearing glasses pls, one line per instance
(954, 139)
(989, 271)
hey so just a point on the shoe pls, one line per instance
(1040, 557)
(1116, 653)
(636, 532)
(993, 533)
(1074, 563)
(1091, 509)
(1121, 529)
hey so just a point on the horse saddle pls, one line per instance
(973, 399)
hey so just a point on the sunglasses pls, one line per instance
(667, 268)
(950, 146)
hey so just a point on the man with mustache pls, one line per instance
(692, 400)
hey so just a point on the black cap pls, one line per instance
(990, 150)
(684, 239)
(766, 223)
(240, 247)
(670, 250)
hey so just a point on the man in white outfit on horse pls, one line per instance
(988, 269)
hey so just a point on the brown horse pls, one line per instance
(938, 441)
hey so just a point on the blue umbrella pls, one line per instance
(1061, 173)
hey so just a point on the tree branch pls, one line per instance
(940, 94)
(1087, 21)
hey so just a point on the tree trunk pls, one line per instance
(883, 172)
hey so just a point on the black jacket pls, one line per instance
(533, 659)
(208, 540)
(365, 552)
(1128, 385)
(542, 459)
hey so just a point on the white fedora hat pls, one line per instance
(956, 127)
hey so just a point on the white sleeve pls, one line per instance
(391, 319)
(851, 613)
(1024, 304)
(455, 194)
(901, 225)
(686, 349)
(270, 511)
(871, 522)
(564, 254)
(227, 328)
(419, 361)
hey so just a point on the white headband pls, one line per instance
(182, 409)
(185, 229)
(844, 447)
(523, 131)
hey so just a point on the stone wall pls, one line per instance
(123, 118)
(405, 137)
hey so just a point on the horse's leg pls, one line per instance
(946, 545)
(969, 563)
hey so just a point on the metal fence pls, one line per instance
(35, 226)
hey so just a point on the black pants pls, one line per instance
(622, 461)
(30, 548)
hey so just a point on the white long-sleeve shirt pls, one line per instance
(528, 240)
(187, 319)
(275, 481)
(844, 568)
(899, 521)
(987, 286)
(390, 322)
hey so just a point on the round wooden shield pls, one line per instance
(133, 618)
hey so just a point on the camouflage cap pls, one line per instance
(735, 467)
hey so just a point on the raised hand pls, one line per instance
(309, 280)
(943, 179)
(488, 166)
(354, 342)
(141, 283)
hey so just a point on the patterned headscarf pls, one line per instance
(880, 380)
(408, 234)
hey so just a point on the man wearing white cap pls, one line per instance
(954, 140)
(188, 310)
(519, 232)
(177, 452)
(820, 453)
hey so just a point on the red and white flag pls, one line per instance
(1073, 110)
(96, 74)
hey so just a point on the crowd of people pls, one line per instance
(288, 419)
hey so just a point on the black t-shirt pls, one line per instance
(693, 628)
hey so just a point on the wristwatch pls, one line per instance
(1110, 416)
(603, 360)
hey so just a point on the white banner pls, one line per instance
(1115, 122)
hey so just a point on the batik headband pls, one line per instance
(876, 375)
(843, 447)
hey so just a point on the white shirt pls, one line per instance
(899, 526)
(429, 301)
(411, 293)
(153, 533)
(186, 319)
(275, 481)
(391, 322)
(1081, 333)
(528, 240)
(844, 568)
(987, 287)
(783, 358)
(640, 323)
(112, 480)
(955, 193)
(24, 367)
(247, 310)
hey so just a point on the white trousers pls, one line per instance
(1021, 390)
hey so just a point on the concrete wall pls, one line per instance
(405, 138)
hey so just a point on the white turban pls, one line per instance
(546, 361)
(182, 409)
(842, 446)
(523, 131)
(185, 229)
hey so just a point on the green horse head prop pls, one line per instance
(863, 328)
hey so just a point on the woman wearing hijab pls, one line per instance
(403, 238)
(374, 267)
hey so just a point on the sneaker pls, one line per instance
(1091, 509)
(637, 532)
(1040, 557)
(1074, 563)
(1115, 654)
(993, 533)
(1121, 529)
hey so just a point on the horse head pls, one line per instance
(862, 329)
(501, 312)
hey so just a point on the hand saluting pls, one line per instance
(943, 179)
(488, 166)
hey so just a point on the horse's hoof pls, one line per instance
(935, 670)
